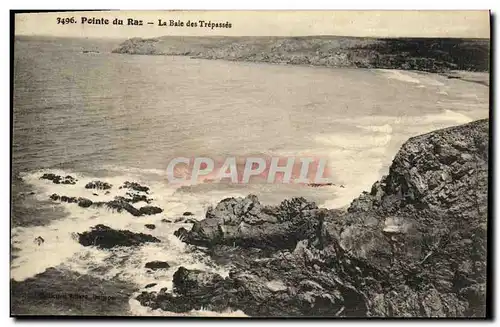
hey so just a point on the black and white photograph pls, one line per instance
(326, 164)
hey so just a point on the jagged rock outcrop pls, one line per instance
(155, 265)
(135, 186)
(119, 204)
(414, 246)
(134, 198)
(430, 212)
(105, 237)
(57, 179)
(425, 54)
(245, 222)
(98, 185)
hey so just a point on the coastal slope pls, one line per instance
(424, 54)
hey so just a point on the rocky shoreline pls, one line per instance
(414, 246)
(438, 55)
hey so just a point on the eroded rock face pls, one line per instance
(120, 205)
(414, 246)
(105, 237)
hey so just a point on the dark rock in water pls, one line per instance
(85, 203)
(150, 210)
(107, 192)
(55, 197)
(188, 213)
(320, 185)
(69, 199)
(182, 233)
(32, 193)
(150, 226)
(98, 185)
(134, 198)
(95, 194)
(119, 206)
(178, 220)
(135, 186)
(154, 265)
(39, 240)
(150, 285)
(164, 220)
(190, 221)
(105, 237)
(414, 246)
(187, 281)
(56, 179)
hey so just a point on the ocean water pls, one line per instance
(118, 117)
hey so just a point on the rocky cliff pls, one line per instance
(414, 246)
(425, 54)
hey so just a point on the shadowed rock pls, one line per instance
(69, 199)
(154, 265)
(56, 179)
(245, 222)
(98, 185)
(105, 237)
(85, 203)
(120, 205)
(414, 246)
(134, 198)
(150, 210)
(150, 226)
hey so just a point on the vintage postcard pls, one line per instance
(250, 164)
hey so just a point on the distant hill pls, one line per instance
(424, 54)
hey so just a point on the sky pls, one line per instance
(467, 24)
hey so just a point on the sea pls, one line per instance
(81, 110)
